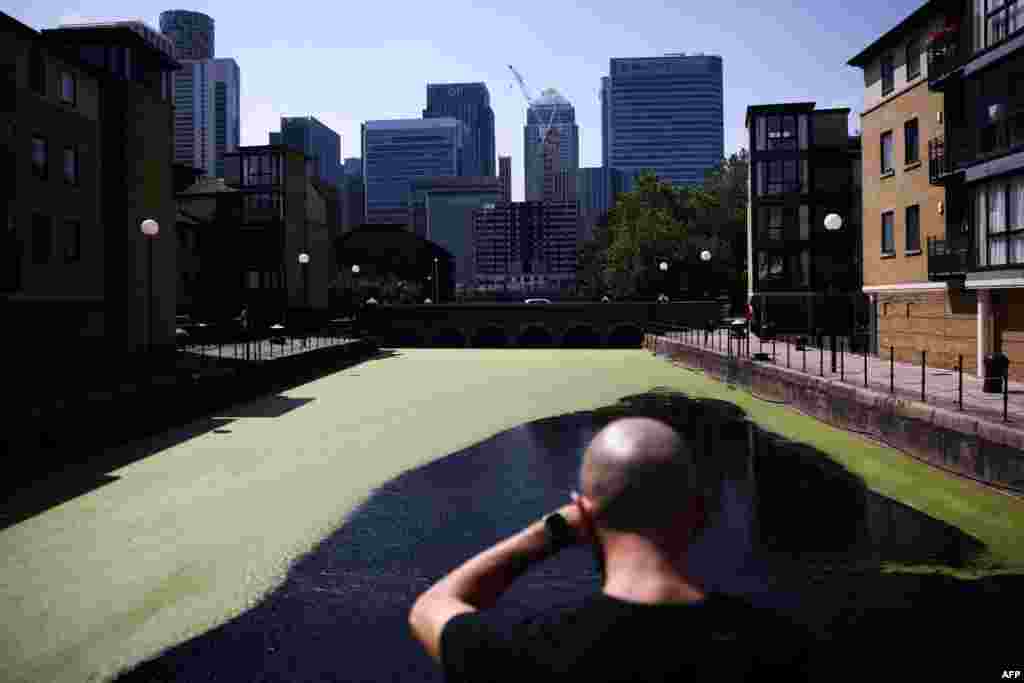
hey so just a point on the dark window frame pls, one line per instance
(40, 171)
(72, 240)
(888, 67)
(38, 257)
(68, 73)
(779, 135)
(74, 180)
(912, 240)
(881, 141)
(911, 152)
(1006, 235)
(892, 233)
(913, 56)
(992, 16)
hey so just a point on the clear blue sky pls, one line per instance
(347, 62)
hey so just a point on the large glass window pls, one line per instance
(999, 214)
(783, 176)
(913, 58)
(72, 241)
(71, 165)
(888, 244)
(42, 239)
(887, 166)
(910, 142)
(1002, 20)
(888, 75)
(782, 131)
(913, 227)
(39, 156)
(68, 88)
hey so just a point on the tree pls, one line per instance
(726, 219)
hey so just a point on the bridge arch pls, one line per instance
(625, 335)
(581, 335)
(535, 335)
(450, 337)
(489, 336)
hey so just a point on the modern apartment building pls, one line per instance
(550, 111)
(207, 122)
(191, 32)
(663, 114)
(441, 210)
(471, 104)
(527, 247)
(86, 141)
(282, 211)
(396, 152)
(804, 165)
(918, 299)
(505, 173)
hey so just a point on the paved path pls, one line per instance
(941, 384)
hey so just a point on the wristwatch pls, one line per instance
(559, 532)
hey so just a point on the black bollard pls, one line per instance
(1006, 392)
(865, 366)
(960, 384)
(924, 364)
(842, 363)
(892, 369)
(788, 344)
(821, 360)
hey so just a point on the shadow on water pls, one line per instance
(784, 516)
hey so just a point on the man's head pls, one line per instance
(638, 476)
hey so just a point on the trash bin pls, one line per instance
(739, 329)
(996, 365)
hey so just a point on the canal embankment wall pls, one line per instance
(988, 451)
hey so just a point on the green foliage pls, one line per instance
(656, 222)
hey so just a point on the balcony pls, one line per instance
(949, 259)
(944, 56)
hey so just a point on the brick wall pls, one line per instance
(908, 186)
(942, 323)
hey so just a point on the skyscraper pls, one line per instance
(207, 124)
(192, 33)
(397, 151)
(314, 139)
(471, 104)
(663, 114)
(505, 173)
(554, 110)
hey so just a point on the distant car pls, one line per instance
(538, 301)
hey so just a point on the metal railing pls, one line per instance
(949, 258)
(941, 383)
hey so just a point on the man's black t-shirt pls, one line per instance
(721, 638)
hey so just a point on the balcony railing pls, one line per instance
(949, 259)
(944, 55)
(940, 164)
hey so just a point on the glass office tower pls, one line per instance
(192, 33)
(663, 114)
(471, 104)
(397, 152)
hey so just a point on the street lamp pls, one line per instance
(436, 283)
(150, 228)
(833, 222)
(663, 266)
(304, 264)
(705, 256)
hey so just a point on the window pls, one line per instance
(42, 239)
(913, 227)
(783, 176)
(252, 279)
(68, 88)
(72, 241)
(782, 132)
(1003, 19)
(888, 70)
(71, 165)
(887, 166)
(910, 142)
(1000, 219)
(913, 58)
(37, 71)
(775, 222)
(39, 156)
(888, 246)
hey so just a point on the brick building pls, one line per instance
(915, 258)
(87, 136)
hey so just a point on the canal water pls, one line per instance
(781, 512)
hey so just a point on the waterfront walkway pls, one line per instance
(941, 384)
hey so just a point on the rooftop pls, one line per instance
(915, 20)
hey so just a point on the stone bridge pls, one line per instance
(516, 325)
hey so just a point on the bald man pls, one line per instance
(640, 508)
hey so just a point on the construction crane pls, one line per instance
(531, 101)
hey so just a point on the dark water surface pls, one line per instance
(785, 513)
